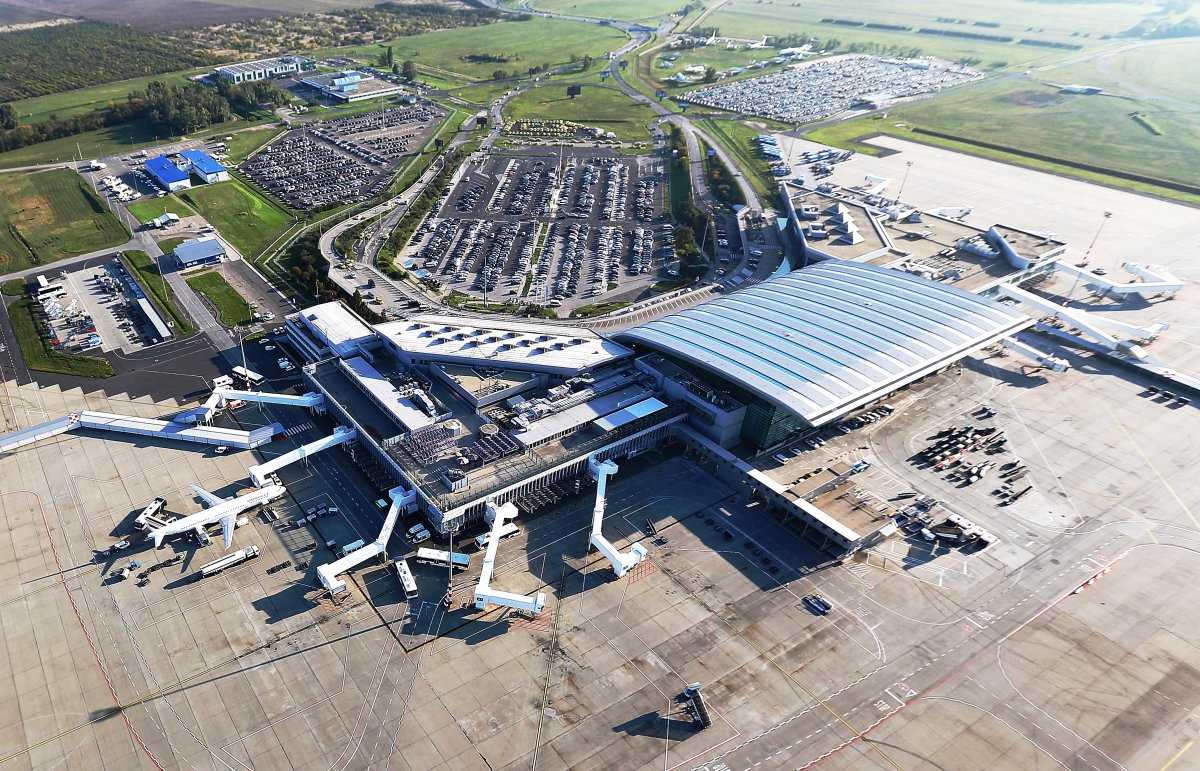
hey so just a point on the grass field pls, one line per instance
(1104, 136)
(144, 211)
(1086, 129)
(146, 272)
(40, 354)
(521, 44)
(1049, 21)
(242, 216)
(597, 106)
(737, 139)
(624, 10)
(167, 245)
(1164, 69)
(232, 307)
(50, 215)
(244, 143)
(83, 100)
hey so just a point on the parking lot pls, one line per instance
(533, 228)
(343, 160)
(826, 87)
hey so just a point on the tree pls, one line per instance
(710, 74)
(8, 116)
(409, 70)
(390, 56)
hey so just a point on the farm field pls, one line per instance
(1046, 21)
(509, 45)
(161, 17)
(144, 211)
(240, 215)
(1035, 118)
(231, 306)
(597, 106)
(47, 216)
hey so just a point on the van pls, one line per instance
(781, 458)
(221, 449)
(417, 534)
(381, 503)
(333, 511)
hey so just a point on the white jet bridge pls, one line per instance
(1052, 363)
(261, 474)
(402, 500)
(622, 562)
(484, 593)
(130, 424)
(1093, 325)
(221, 396)
(1155, 280)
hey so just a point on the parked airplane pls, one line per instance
(760, 44)
(222, 510)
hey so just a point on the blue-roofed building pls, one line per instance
(169, 176)
(199, 251)
(204, 166)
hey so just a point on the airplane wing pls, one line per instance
(204, 495)
(228, 523)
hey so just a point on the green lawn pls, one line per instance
(47, 216)
(168, 244)
(144, 211)
(623, 10)
(145, 271)
(240, 214)
(40, 354)
(597, 106)
(232, 307)
(518, 44)
(1085, 129)
(1161, 70)
(244, 143)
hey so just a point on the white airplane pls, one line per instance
(760, 44)
(222, 510)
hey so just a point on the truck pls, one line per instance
(228, 561)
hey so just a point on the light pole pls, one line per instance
(907, 168)
(1087, 255)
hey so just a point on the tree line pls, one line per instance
(168, 109)
(47, 60)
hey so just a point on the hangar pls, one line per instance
(169, 176)
(827, 339)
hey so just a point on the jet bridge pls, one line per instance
(220, 396)
(402, 500)
(129, 424)
(484, 593)
(622, 563)
(1155, 280)
(1093, 325)
(1052, 363)
(261, 473)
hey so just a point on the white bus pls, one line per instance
(49, 291)
(443, 559)
(507, 530)
(247, 376)
(407, 582)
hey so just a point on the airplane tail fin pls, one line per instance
(159, 535)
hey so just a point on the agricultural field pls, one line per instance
(597, 106)
(243, 217)
(15, 14)
(1032, 117)
(51, 215)
(144, 211)
(232, 307)
(1087, 24)
(161, 17)
(477, 52)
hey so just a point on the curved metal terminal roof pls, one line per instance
(831, 337)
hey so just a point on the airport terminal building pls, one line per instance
(465, 410)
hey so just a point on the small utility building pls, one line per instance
(203, 166)
(169, 176)
(199, 251)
